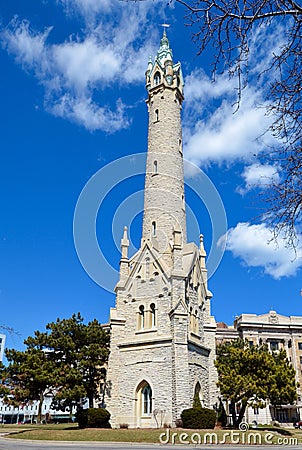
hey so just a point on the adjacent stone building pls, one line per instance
(277, 332)
(162, 331)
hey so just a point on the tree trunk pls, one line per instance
(90, 400)
(39, 416)
(241, 414)
(233, 412)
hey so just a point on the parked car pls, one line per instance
(298, 424)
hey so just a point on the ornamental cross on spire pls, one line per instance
(165, 25)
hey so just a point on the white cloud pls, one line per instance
(87, 113)
(265, 43)
(214, 132)
(253, 244)
(224, 136)
(87, 7)
(27, 47)
(259, 176)
(199, 87)
(86, 62)
(110, 52)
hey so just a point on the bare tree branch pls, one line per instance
(228, 26)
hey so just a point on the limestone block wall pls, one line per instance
(180, 366)
(135, 364)
(199, 373)
(164, 185)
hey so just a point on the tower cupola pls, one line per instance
(162, 70)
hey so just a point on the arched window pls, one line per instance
(156, 115)
(155, 167)
(153, 228)
(146, 400)
(157, 78)
(141, 317)
(153, 315)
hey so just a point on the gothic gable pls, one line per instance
(147, 274)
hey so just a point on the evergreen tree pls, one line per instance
(66, 361)
(222, 417)
(250, 375)
(80, 351)
(30, 376)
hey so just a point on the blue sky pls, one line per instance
(72, 103)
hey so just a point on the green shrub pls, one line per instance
(196, 401)
(197, 418)
(93, 418)
(82, 418)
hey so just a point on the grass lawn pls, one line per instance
(70, 432)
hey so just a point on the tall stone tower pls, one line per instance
(162, 333)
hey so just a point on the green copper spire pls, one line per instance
(164, 52)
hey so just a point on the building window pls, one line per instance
(251, 343)
(153, 315)
(300, 345)
(153, 228)
(274, 346)
(256, 411)
(191, 319)
(300, 359)
(141, 317)
(156, 115)
(196, 327)
(155, 167)
(146, 400)
(157, 79)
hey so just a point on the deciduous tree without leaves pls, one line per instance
(229, 26)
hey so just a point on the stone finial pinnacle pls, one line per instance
(202, 251)
(125, 244)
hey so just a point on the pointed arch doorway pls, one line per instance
(144, 404)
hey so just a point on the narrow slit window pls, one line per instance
(153, 228)
(156, 115)
(155, 167)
